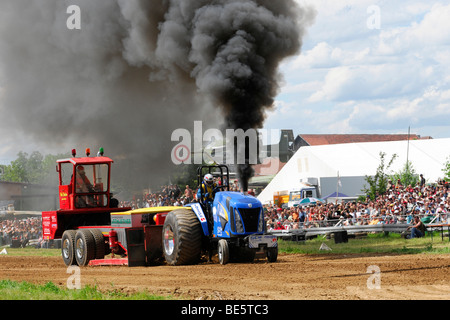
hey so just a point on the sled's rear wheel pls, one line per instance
(84, 247)
(68, 247)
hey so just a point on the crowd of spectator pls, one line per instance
(397, 205)
(170, 195)
(21, 231)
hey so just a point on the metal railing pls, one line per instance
(399, 224)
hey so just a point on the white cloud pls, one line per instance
(372, 82)
(435, 27)
(432, 31)
(323, 55)
(283, 107)
(399, 113)
(301, 87)
(336, 82)
(357, 80)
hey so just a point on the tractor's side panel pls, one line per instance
(65, 197)
(222, 225)
(49, 224)
(197, 208)
(54, 223)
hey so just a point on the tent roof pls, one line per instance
(360, 159)
(336, 195)
(322, 139)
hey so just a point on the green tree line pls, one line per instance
(32, 168)
(36, 168)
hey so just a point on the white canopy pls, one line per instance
(359, 159)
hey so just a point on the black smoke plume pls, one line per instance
(139, 69)
(236, 48)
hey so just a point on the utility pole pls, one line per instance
(407, 150)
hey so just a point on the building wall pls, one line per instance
(10, 189)
(29, 197)
(351, 186)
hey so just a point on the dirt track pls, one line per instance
(319, 277)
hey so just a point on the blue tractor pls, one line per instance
(227, 222)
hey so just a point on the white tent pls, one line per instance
(359, 159)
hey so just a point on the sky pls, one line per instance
(369, 67)
(366, 67)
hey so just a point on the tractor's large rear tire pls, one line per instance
(182, 238)
(68, 247)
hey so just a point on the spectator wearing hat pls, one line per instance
(441, 212)
(279, 226)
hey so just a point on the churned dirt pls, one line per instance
(292, 277)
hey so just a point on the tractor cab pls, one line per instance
(229, 213)
(221, 182)
(84, 182)
(206, 195)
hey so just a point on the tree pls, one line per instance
(446, 170)
(34, 168)
(378, 182)
(407, 175)
(16, 171)
(185, 174)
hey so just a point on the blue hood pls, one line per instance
(238, 199)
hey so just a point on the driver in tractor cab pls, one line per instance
(206, 189)
(83, 185)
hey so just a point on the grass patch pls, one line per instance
(372, 243)
(14, 290)
(32, 252)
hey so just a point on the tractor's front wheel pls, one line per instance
(182, 238)
(272, 254)
(223, 251)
